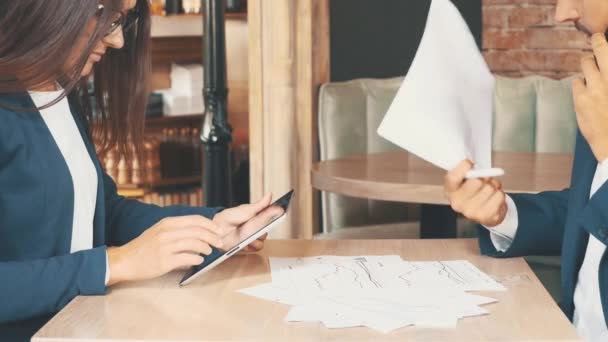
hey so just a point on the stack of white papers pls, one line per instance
(179, 104)
(443, 109)
(381, 292)
(185, 96)
(187, 79)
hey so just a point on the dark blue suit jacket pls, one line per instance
(38, 275)
(554, 223)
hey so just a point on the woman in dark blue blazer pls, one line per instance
(64, 230)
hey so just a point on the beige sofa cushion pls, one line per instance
(349, 114)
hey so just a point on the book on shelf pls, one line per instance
(190, 197)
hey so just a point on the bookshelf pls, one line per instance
(153, 129)
(178, 120)
(139, 191)
(184, 25)
(178, 39)
(188, 180)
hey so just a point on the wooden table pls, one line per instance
(403, 177)
(211, 309)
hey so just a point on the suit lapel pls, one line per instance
(575, 236)
(583, 172)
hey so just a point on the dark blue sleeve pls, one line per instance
(126, 218)
(541, 224)
(34, 288)
(594, 217)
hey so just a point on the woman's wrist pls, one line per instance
(118, 272)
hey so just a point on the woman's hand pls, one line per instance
(172, 243)
(179, 242)
(481, 200)
(241, 222)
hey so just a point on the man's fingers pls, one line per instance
(494, 204)
(590, 70)
(455, 177)
(600, 50)
(495, 183)
(472, 186)
(578, 87)
(478, 201)
(460, 198)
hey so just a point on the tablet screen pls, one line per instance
(250, 228)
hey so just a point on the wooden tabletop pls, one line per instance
(402, 177)
(211, 309)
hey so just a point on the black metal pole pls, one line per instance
(216, 133)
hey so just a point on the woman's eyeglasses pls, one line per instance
(126, 21)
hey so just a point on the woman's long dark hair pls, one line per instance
(37, 37)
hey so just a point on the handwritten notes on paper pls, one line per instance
(381, 292)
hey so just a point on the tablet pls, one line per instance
(264, 227)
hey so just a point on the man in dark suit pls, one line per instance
(572, 222)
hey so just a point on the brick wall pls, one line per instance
(520, 37)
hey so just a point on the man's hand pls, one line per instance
(591, 97)
(481, 200)
(235, 226)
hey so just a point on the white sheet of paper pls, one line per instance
(386, 310)
(443, 110)
(349, 311)
(383, 293)
(334, 273)
(459, 274)
(474, 311)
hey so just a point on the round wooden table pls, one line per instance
(403, 177)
